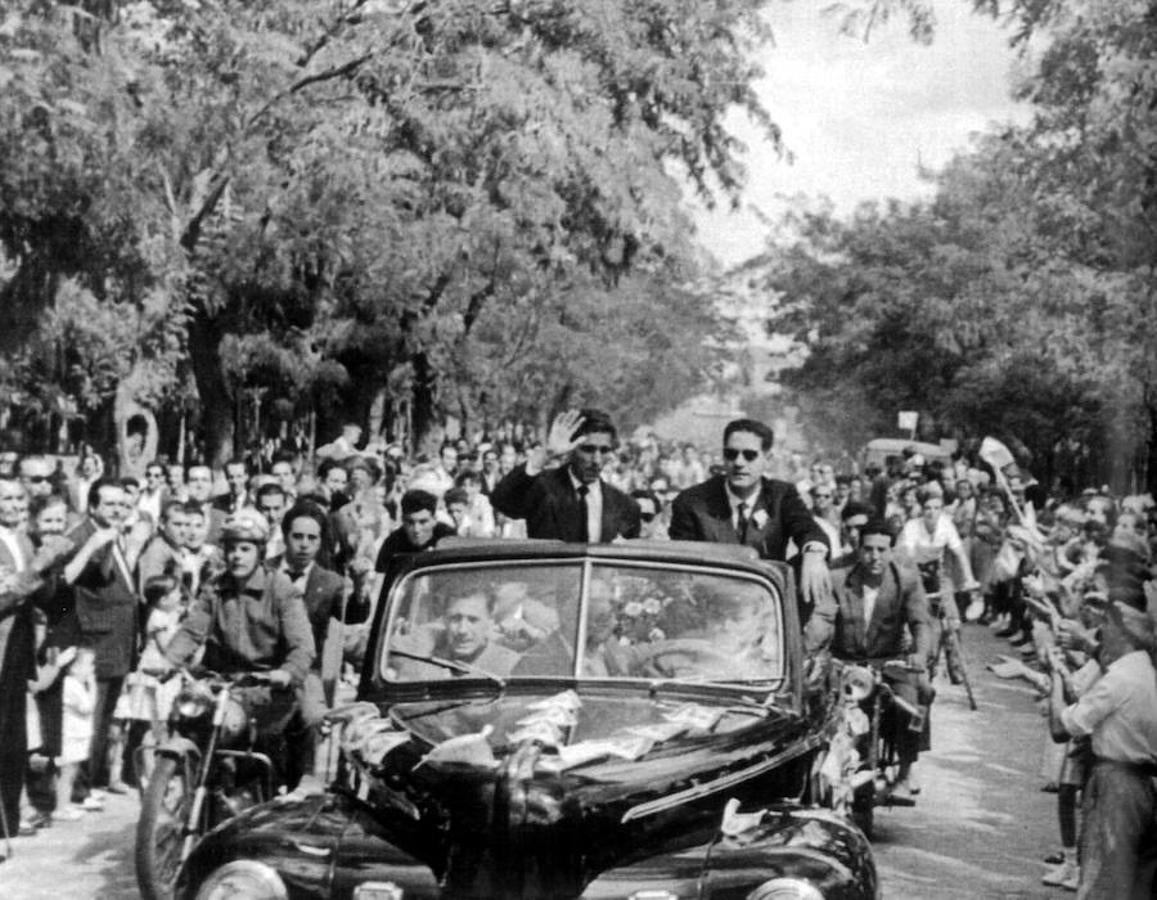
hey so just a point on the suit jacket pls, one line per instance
(16, 631)
(901, 604)
(703, 513)
(323, 595)
(158, 556)
(228, 504)
(548, 503)
(106, 610)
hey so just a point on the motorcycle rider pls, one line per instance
(251, 619)
(879, 599)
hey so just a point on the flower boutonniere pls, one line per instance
(759, 518)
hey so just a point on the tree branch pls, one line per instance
(192, 232)
(342, 71)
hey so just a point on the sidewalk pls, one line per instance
(83, 860)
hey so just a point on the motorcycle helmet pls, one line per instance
(245, 525)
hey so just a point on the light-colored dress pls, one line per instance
(76, 721)
(149, 699)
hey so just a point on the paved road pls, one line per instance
(979, 830)
(982, 823)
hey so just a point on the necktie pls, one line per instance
(583, 490)
(743, 523)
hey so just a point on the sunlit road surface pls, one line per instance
(979, 830)
(981, 824)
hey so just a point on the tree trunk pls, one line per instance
(212, 388)
(423, 407)
(135, 451)
(1150, 474)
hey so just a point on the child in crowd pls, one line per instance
(76, 727)
(149, 699)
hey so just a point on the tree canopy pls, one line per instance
(465, 208)
(1021, 299)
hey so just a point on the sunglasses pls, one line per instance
(647, 517)
(36, 479)
(731, 454)
(596, 448)
(822, 496)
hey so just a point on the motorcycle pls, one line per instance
(214, 765)
(862, 767)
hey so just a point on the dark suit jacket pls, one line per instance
(702, 513)
(17, 650)
(106, 610)
(552, 509)
(323, 595)
(227, 504)
(900, 604)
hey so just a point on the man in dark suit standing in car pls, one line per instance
(571, 502)
(743, 506)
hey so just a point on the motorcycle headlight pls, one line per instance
(191, 706)
(786, 889)
(857, 683)
(243, 879)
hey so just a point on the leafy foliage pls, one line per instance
(343, 197)
(1021, 300)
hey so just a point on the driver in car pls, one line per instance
(464, 636)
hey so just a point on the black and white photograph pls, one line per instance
(578, 449)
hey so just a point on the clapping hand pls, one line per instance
(53, 547)
(1056, 661)
(1072, 636)
(104, 536)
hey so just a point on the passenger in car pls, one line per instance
(520, 620)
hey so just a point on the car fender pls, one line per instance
(812, 844)
(321, 845)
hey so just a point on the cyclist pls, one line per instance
(924, 541)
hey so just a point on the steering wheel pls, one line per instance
(694, 657)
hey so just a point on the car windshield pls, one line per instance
(583, 620)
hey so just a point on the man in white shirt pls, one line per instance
(879, 600)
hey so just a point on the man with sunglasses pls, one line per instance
(650, 512)
(36, 475)
(742, 506)
(571, 502)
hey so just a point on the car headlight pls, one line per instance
(243, 879)
(786, 889)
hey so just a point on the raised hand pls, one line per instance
(560, 440)
(103, 536)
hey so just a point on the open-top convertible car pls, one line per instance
(548, 720)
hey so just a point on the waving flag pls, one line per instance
(996, 454)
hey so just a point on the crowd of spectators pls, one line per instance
(1059, 576)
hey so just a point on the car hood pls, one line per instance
(533, 793)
